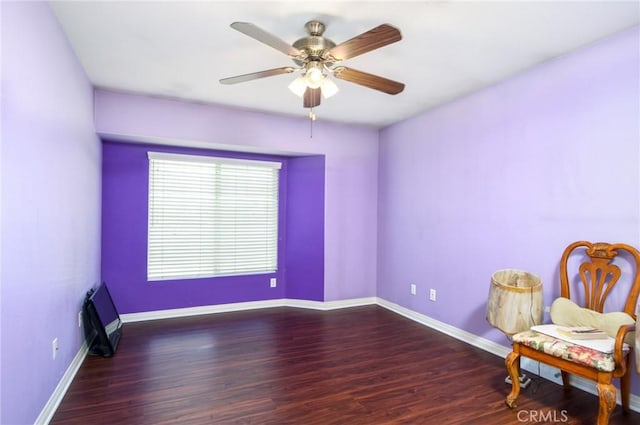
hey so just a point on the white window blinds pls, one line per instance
(211, 216)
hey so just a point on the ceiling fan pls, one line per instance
(317, 57)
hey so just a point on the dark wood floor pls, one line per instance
(363, 365)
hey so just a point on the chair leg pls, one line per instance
(625, 388)
(512, 362)
(565, 380)
(606, 402)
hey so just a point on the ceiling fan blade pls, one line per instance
(256, 75)
(312, 97)
(368, 80)
(266, 38)
(375, 38)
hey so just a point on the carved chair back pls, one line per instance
(599, 276)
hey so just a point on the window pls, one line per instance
(211, 216)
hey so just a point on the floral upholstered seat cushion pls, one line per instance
(566, 350)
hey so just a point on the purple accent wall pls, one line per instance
(506, 178)
(50, 203)
(305, 228)
(350, 164)
(124, 237)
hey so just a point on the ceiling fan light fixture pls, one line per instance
(329, 88)
(298, 86)
(314, 75)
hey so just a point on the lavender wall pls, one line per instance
(506, 178)
(50, 206)
(351, 165)
(124, 236)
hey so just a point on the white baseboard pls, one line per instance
(492, 347)
(251, 305)
(61, 389)
(499, 350)
(464, 336)
(196, 311)
(331, 305)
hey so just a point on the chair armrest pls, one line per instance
(618, 353)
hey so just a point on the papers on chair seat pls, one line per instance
(582, 332)
(605, 345)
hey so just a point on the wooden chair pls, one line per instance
(598, 277)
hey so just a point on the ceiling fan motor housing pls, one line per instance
(314, 45)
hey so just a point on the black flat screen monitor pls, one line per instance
(103, 326)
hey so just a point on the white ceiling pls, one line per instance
(181, 49)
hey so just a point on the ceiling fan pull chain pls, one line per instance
(312, 118)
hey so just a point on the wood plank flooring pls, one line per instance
(362, 365)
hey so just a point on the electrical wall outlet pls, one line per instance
(432, 294)
(80, 319)
(54, 347)
(413, 289)
(273, 282)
